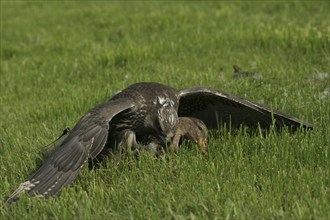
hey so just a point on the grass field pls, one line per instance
(59, 59)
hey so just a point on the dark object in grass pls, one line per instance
(238, 73)
(49, 149)
(139, 111)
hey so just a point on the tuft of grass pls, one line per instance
(59, 59)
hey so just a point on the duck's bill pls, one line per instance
(202, 143)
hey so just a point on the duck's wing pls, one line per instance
(216, 108)
(84, 141)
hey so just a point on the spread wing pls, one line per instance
(215, 108)
(71, 151)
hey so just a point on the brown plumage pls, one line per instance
(144, 111)
(192, 129)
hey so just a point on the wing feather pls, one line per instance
(215, 108)
(84, 141)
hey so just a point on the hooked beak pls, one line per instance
(202, 143)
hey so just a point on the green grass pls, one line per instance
(59, 59)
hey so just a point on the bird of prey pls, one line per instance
(151, 114)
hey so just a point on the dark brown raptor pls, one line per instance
(139, 111)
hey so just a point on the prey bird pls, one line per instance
(146, 115)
